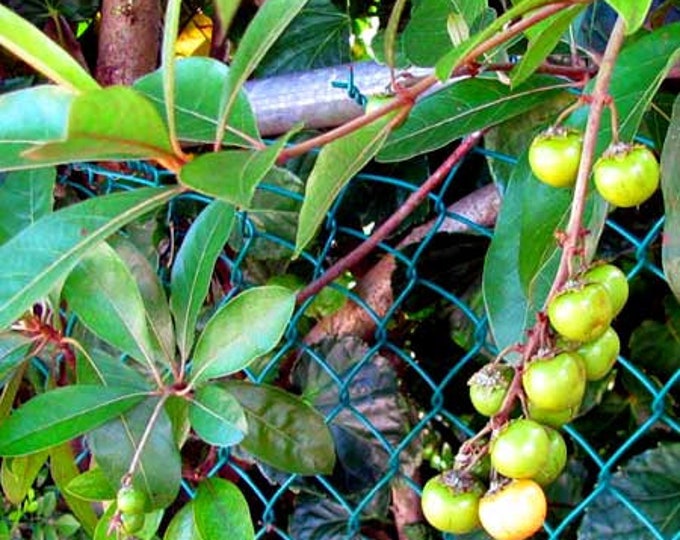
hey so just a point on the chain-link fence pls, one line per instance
(396, 410)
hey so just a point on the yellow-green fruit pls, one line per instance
(554, 157)
(555, 419)
(131, 523)
(581, 313)
(450, 502)
(614, 280)
(599, 356)
(555, 383)
(557, 459)
(627, 176)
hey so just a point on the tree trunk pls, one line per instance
(129, 40)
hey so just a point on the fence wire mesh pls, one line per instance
(385, 405)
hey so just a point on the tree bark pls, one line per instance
(129, 40)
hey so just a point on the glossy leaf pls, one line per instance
(103, 293)
(28, 117)
(217, 417)
(220, 506)
(17, 475)
(101, 368)
(243, 329)
(197, 106)
(194, 266)
(40, 256)
(92, 485)
(670, 185)
(649, 482)
(242, 171)
(63, 469)
(461, 108)
(633, 12)
(523, 256)
(271, 20)
(160, 466)
(25, 197)
(156, 307)
(183, 525)
(543, 38)
(14, 348)
(299, 47)
(29, 44)
(113, 123)
(283, 430)
(60, 415)
(335, 165)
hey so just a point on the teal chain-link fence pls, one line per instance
(396, 398)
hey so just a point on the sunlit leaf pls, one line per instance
(219, 506)
(633, 12)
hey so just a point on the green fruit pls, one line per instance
(614, 280)
(450, 502)
(554, 156)
(488, 388)
(131, 500)
(131, 523)
(555, 383)
(626, 175)
(555, 419)
(557, 459)
(599, 356)
(520, 449)
(581, 313)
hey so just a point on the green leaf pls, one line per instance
(153, 295)
(283, 430)
(103, 293)
(336, 164)
(268, 24)
(40, 256)
(100, 368)
(242, 330)
(226, 9)
(114, 123)
(648, 482)
(25, 197)
(299, 47)
(14, 348)
(670, 185)
(220, 506)
(92, 485)
(28, 117)
(633, 12)
(523, 256)
(183, 525)
(17, 475)
(197, 107)
(33, 47)
(60, 415)
(461, 108)
(392, 41)
(217, 417)
(655, 346)
(63, 469)
(160, 466)
(245, 169)
(543, 38)
(193, 268)
(170, 28)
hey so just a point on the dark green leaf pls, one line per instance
(103, 293)
(245, 328)
(193, 268)
(160, 466)
(13, 350)
(44, 253)
(113, 123)
(462, 108)
(670, 184)
(300, 48)
(197, 106)
(649, 482)
(183, 525)
(219, 506)
(633, 12)
(100, 368)
(25, 197)
(655, 346)
(336, 164)
(28, 117)
(60, 415)
(17, 475)
(217, 417)
(92, 485)
(243, 170)
(284, 431)
(523, 257)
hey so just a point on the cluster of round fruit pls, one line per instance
(625, 175)
(528, 452)
(132, 504)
